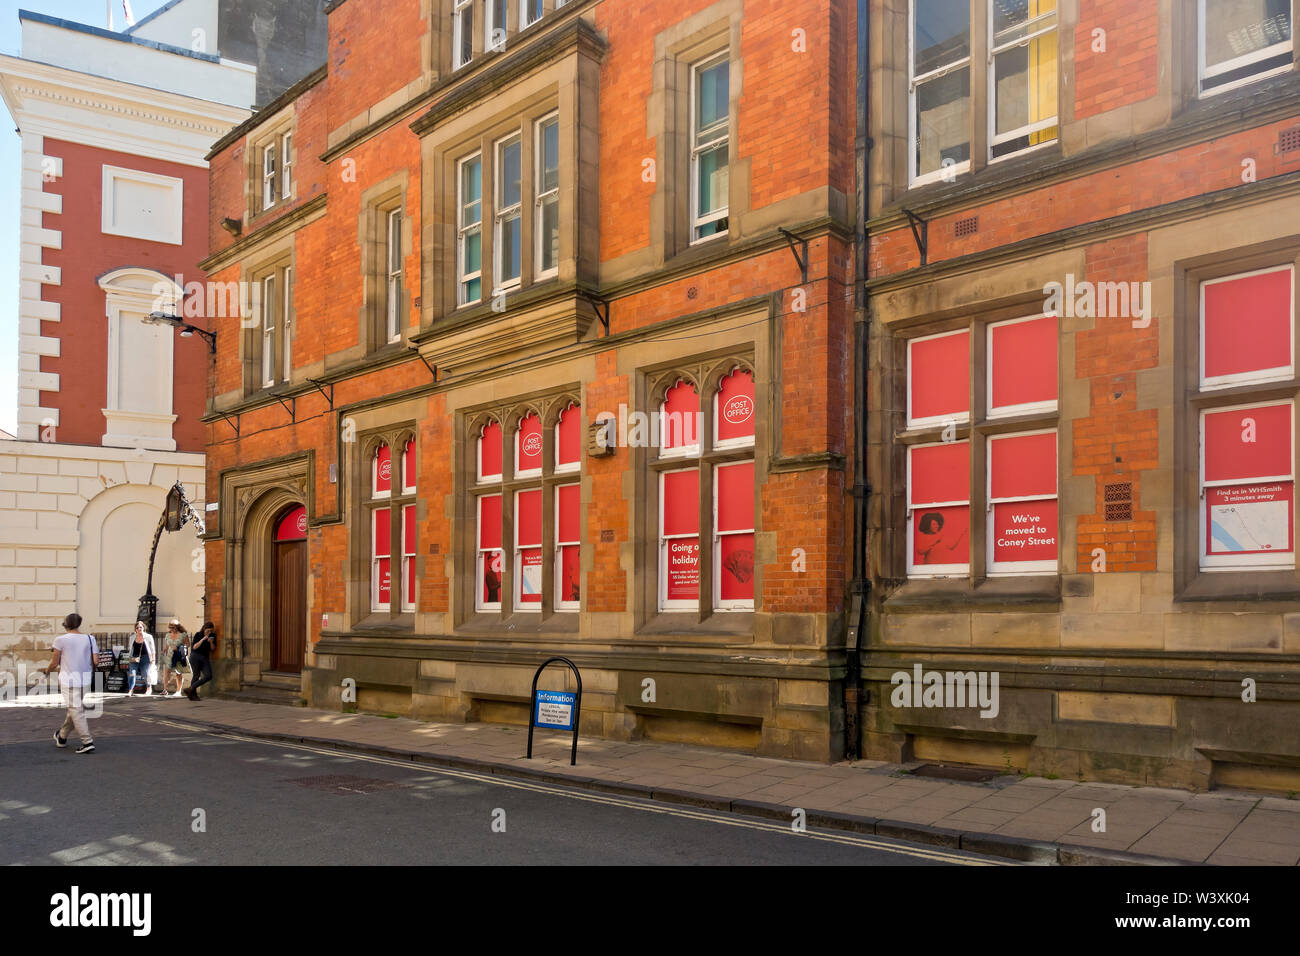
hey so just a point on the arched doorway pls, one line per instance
(289, 591)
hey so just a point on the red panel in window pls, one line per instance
(1248, 324)
(489, 521)
(736, 558)
(940, 473)
(1023, 465)
(570, 573)
(383, 469)
(736, 496)
(684, 569)
(1250, 519)
(1248, 443)
(568, 445)
(293, 526)
(408, 464)
(681, 504)
(530, 576)
(1025, 531)
(408, 529)
(383, 537)
(735, 407)
(938, 375)
(941, 535)
(528, 521)
(490, 451)
(492, 565)
(385, 581)
(529, 443)
(410, 581)
(681, 418)
(569, 524)
(1023, 360)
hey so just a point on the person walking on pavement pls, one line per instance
(200, 652)
(143, 666)
(175, 658)
(74, 656)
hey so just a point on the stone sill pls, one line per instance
(1037, 594)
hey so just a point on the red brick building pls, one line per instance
(1080, 285)
(532, 368)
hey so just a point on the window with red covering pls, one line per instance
(1022, 536)
(733, 537)
(568, 547)
(568, 439)
(391, 526)
(733, 411)
(408, 557)
(938, 379)
(381, 539)
(489, 560)
(679, 420)
(679, 540)
(381, 473)
(1248, 328)
(528, 550)
(528, 447)
(408, 466)
(1248, 487)
(1022, 366)
(489, 452)
(293, 526)
(938, 509)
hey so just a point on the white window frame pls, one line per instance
(1018, 568)
(542, 198)
(664, 603)
(517, 586)
(393, 250)
(1240, 562)
(286, 325)
(933, 420)
(464, 230)
(994, 139)
(490, 24)
(557, 565)
(1204, 73)
(375, 557)
(527, 472)
(479, 551)
(268, 175)
(682, 451)
(524, 22)
(462, 18)
(268, 331)
(913, 82)
(571, 466)
(1277, 373)
(718, 603)
(698, 221)
(502, 213)
(483, 479)
(408, 559)
(286, 165)
(1024, 408)
(934, 570)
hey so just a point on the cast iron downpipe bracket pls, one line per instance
(599, 302)
(433, 369)
(329, 396)
(923, 236)
(800, 254)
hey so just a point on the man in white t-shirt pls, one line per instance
(74, 656)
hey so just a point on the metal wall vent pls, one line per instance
(966, 227)
(1119, 501)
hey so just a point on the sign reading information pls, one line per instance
(555, 709)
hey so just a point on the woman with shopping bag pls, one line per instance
(144, 666)
(175, 658)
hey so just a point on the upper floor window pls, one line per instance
(1022, 77)
(277, 162)
(939, 63)
(393, 265)
(462, 43)
(508, 234)
(710, 141)
(469, 232)
(272, 346)
(1240, 41)
(497, 24)
(547, 200)
(530, 11)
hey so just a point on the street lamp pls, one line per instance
(186, 330)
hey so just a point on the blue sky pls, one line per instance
(95, 13)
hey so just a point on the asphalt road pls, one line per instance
(140, 798)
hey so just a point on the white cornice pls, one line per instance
(96, 111)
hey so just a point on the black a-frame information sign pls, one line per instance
(556, 709)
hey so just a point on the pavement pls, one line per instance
(1029, 819)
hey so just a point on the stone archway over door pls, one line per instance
(289, 592)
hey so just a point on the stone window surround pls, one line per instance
(678, 49)
(518, 117)
(1191, 581)
(274, 259)
(706, 374)
(976, 429)
(1188, 23)
(267, 135)
(395, 435)
(445, 39)
(372, 236)
(548, 406)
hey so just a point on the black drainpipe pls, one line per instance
(860, 588)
